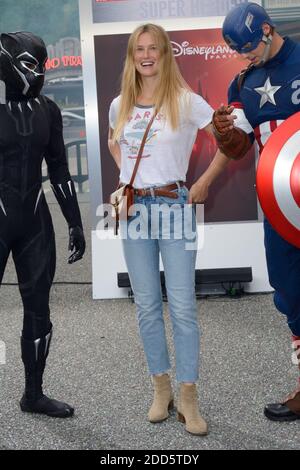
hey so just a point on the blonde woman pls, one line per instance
(152, 84)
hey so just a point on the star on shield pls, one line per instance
(267, 93)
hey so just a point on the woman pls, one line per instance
(152, 84)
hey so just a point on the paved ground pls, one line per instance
(96, 363)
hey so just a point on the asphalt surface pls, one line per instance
(96, 363)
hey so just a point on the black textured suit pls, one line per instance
(31, 130)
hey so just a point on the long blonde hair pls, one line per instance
(170, 85)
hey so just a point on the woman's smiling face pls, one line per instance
(147, 56)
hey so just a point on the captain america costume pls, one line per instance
(31, 130)
(262, 97)
(266, 97)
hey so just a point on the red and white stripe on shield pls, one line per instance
(278, 179)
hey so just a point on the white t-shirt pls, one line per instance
(167, 152)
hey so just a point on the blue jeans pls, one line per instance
(283, 261)
(142, 259)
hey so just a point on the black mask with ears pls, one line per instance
(22, 64)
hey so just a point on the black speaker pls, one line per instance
(207, 281)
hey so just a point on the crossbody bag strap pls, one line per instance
(137, 162)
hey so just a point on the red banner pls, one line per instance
(208, 65)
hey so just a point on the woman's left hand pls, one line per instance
(199, 191)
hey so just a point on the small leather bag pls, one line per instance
(123, 198)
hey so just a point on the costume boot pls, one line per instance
(289, 408)
(163, 399)
(34, 354)
(188, 410)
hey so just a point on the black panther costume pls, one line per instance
(30, 130)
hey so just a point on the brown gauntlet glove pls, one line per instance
(234, 143)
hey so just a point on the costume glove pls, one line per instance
(76, 244)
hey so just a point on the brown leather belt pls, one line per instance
(160, 190)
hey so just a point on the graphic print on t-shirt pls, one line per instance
(135, 131)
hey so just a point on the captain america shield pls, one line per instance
(278, 179)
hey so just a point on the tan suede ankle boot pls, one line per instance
(163, 399)
(188, 410)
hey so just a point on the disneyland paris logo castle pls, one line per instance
(218, 51)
